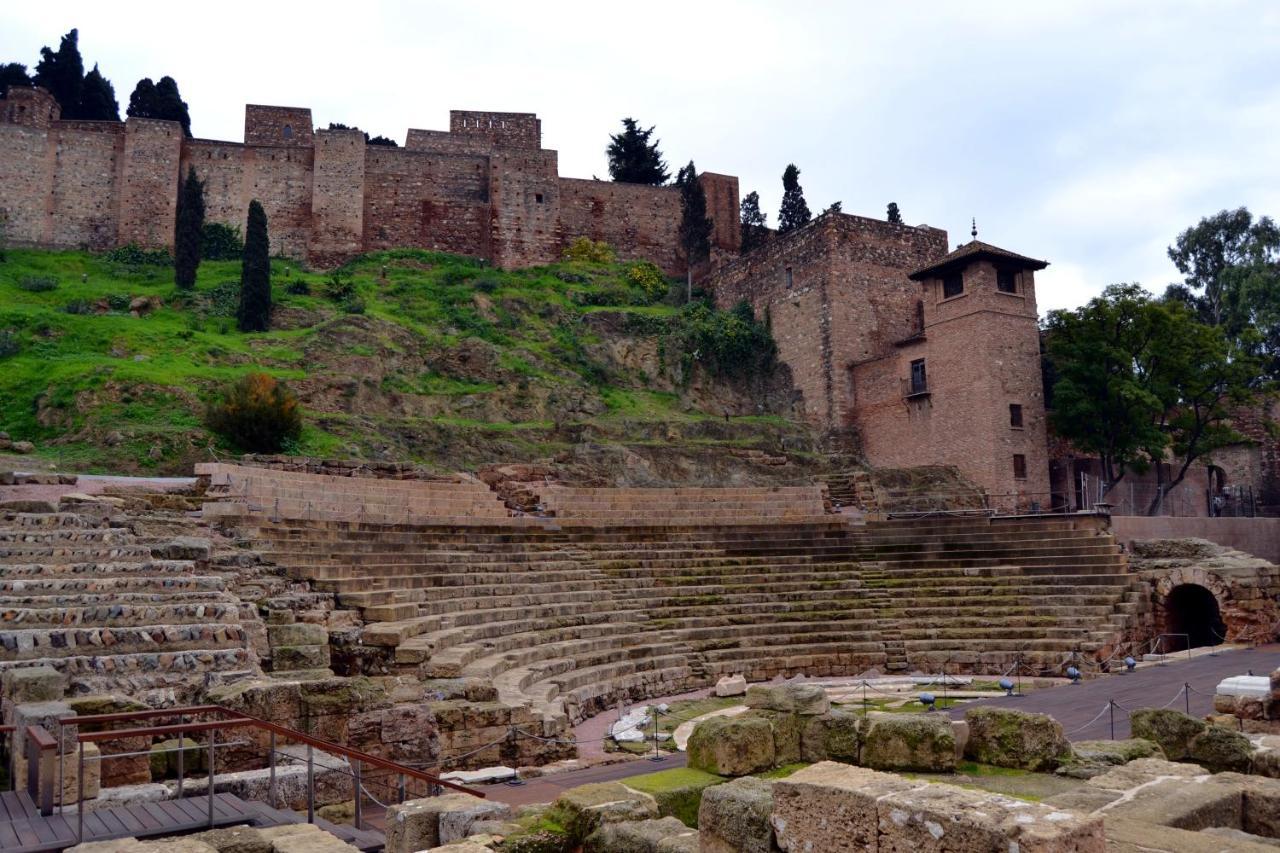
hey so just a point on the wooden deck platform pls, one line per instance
(24, 830)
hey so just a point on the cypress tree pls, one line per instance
(793, 212)
(695, 227)
(633, 159)
(62, 73)
(188, 231)
(13, 74)
(160, 100)
(98, 98)
(895, 216)
(755, 229)
(254, 311)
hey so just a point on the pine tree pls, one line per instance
(13, 74)
(632, 159)
(793, 212)
(835, 207)
(254, 311)
(695, 227)
(188, 231)
(895, 216)
(755, 228)
(62, 73)
(98, 98)
(160, 100)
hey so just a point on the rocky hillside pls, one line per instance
(433, 358)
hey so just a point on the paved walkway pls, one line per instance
(1083, 708)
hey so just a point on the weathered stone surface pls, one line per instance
(33, 684)
(836, 808)
(422, 824)
(1220, 749)
(184, 548)
(582, 810)
(834, 736)
(909, 742)
(234, 839)
(292, 658)
(1131, 836)
(663, 835)
(731, 685)
(787, 731)
(164, 758)
(1172, 730)
(734, 817)
(1093, 757)
(792, 698)
(297, 634)
(732, 746)
(1008, 738)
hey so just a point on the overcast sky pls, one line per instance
(1085, 133)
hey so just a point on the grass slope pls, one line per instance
(405, 354)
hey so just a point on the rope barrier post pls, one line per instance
(1186, 692)
(182, 719)
(1111, 707)
(311, 784)
(359, 816)
(864, 697)
(213, 737)
(80, 802)
(655, 756)
(271, 765)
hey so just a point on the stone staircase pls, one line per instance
(81, 591)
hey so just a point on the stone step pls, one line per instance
(40, 643)
(62, 554)
(65, 536)
(35, 520)
(39, 584)
(425, 646)
(119, 614)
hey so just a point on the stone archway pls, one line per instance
(1192, 610)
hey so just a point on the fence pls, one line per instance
(1129, 497)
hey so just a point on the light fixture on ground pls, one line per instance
(1073, 674)
(928, 701)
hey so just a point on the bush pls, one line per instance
(256, 414)
(340, 287)
(119, 301)
(728, 343)
(38, 283)
(134, 255)
(78, 306)
(9, 344)
(586, 250)
(298, 287)
(220, 242)
(354, 305)
(646, 276)
(223, 299)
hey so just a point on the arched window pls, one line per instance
(288, 132)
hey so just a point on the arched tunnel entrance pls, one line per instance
(1192, 610)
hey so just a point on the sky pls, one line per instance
(1085, 133)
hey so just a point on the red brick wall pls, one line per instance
(149, 182)
(722, 208)
(639, 221)
(508, 130)
(428, 200)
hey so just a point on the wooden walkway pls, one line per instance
(24, 830)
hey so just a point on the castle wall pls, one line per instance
(337, 194)
(149, 182)
(430, 200)
(722, 208)
(26, 165)
(639, 221)
(524, 195)
(507, 130)
(88, 165)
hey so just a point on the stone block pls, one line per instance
(1093, 757)
(732, 746)
(71, 776)
(809, 699)
(923, 742)
(831, 807)
(734, 817)
(164, 758)
(1172, 730)
(234, 839)
(834, 736)
(582, 810)
(33, 684)
(731, 685)
(184, 548)
(1005, 737)
(661, 835)
(787, 729)
(1220, 749)
(297, 634)
(422, 824)
(293, 658)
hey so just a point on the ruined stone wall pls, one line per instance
(149, 182)
(640, 222)
(426, 199)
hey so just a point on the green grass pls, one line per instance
(450, 360)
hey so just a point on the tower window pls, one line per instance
(1006, 281)
(537, 197)
(919, 379)
(288, 132)
(790, 280)
(952, 285)
(1019, 466)
(1015, 415)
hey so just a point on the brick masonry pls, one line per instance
(486, 188)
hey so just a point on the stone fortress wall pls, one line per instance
(485, 188)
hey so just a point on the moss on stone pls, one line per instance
(678, 792)
(1172, 730)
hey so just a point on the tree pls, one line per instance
(793, 212)
(188, 231)
(834, 207)
(1141, 383)
(695, 227)
(98, 98)
(633, 159)
(14, 74)
(254, 312)
(62, 73)
(161, 101)
(376, 140)
(257, 414)
(755, 228)
(894, 215)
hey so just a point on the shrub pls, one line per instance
(487, 283)
(220, 242)
(340, 286)
(354, 305)
(9, 343)
(223, 299)
(257, 414)
(134, 255)
(459, 275)
(586, 250)
(38, 283)
(78, 306)
(646, 276)
(298, 287)
(119, 301)
(728, 343)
